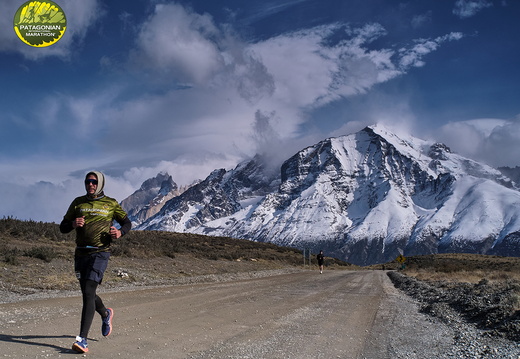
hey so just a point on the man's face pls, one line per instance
(91, 184)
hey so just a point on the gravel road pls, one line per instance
(305, 314)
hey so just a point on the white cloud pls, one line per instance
(413, 57)
(180, 44)
(300, 70)
(394, 112)
(232, 81)
(494, 141)
(310, 71)
(468, 8)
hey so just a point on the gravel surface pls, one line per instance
(408, 318)
(18, 294)
(479, 318)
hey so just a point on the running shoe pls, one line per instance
(80, 345)
(106, 327)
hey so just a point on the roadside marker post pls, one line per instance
(306, 256)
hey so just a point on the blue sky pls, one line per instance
(138, 87)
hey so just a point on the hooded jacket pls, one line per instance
(99, 211)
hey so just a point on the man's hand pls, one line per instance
(115, 233)
(78, 222)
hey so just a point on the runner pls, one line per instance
(319, 257)
(92, 217)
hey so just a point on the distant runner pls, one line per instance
(319, 257)
(92, 217)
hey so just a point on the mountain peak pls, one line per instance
(150, 197)
(365, 198)
(158, 181)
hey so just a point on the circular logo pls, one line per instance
(40, 23)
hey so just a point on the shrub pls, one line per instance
(32, 230)
(11, 256)
(46, 254)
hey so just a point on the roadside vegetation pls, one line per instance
(35, 255)
(457, 267)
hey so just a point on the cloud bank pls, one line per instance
(493, 141)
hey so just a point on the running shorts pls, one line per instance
(91, 266)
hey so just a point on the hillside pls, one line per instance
(36, 256)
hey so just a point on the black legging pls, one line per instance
(91, 302)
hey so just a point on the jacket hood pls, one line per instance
(101, 182)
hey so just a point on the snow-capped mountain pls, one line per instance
(150, 198)
(364, 198)
(221, 194)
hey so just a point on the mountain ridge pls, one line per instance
(364, 198)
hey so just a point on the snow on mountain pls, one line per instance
(219, 195)
(149, 199)
(513, 173)
(364, 198)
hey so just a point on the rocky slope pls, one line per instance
(150, 197)
(364, 198)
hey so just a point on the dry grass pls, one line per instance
(152, 244)
(468, 268)
(463, 276)
(35, 255)
(457, 267)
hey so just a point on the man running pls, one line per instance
(320, 259)
(92, 216)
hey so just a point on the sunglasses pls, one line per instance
(91, 181)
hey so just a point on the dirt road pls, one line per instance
(337, 314)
